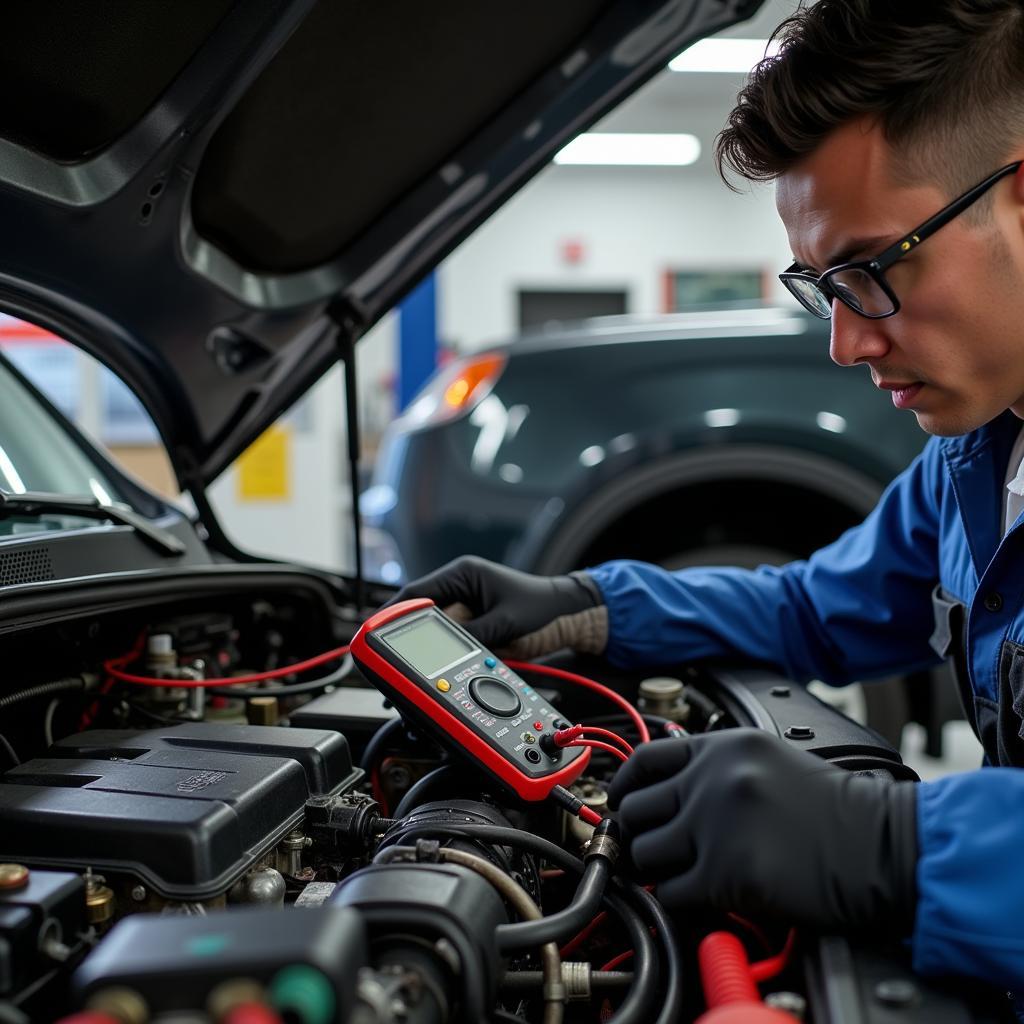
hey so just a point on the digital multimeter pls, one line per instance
(440, 677)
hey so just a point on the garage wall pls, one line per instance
(633, 226)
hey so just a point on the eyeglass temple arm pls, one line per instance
(943, 217)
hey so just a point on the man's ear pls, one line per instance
(1017, 188)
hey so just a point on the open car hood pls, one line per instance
(212, 196)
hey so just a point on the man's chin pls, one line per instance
(948, 424)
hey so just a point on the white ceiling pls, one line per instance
(694, 102)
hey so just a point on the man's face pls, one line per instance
(954, 353)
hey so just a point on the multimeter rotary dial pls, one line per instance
(495, 696)
(443, 680)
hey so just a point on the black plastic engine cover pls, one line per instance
(185, 809)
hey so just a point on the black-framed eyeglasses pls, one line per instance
(861, 285)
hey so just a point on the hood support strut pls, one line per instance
(345, 340)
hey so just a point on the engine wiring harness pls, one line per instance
(608, 942)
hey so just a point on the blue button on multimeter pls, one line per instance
(490, 662)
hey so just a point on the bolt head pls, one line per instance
(799, 732)
(896, 992)
(138, 893)
(13, 876)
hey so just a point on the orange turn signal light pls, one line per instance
(474, 375)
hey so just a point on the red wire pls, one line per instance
(617, 961)
(377, 791)
(589, 732)
(572, 677)
(754, 929)
(593, 730)
(598, 745)
(764, 970)
(90, 712)
(113, 668)
(574, 943)
(580, 937)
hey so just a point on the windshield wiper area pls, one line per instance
(36, 503)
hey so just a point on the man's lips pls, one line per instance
(903, 394)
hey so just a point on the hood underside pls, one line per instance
(208, 195)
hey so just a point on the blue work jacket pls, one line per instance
(927, 574)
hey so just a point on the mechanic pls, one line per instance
(894, 132)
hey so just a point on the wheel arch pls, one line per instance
(767, 470)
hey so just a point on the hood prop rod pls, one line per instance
(345, 340)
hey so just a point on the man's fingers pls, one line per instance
(494, 628)
(441, 587)
(685, 891)
(663, 852)
(651, 763)
(648, 808)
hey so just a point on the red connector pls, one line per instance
(729, 988)
(251, 1013)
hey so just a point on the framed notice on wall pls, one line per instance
(685, 289)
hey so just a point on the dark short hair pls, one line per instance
(944, 78)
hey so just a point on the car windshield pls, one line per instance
(39, 454)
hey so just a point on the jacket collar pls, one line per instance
(977, 467)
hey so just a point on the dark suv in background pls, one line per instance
(716, 436)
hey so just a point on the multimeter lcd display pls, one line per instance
(428, 646)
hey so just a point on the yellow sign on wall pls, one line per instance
(264, 468)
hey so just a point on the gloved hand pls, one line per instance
(741, 821)
(513, 612)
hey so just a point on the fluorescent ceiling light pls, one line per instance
(736, 55)
(638, 150)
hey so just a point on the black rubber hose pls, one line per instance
(526, 981)
(638, 1005)
(386, 734)
(555, 927)
(502, 835)
(57, 686)
(672, 1008)
(635, 1008)
(415, 793)
(12, 755)
(285, 689)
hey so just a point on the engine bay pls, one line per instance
(211, 814)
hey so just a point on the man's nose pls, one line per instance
(856, 339)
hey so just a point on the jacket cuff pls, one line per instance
(904, 852)
(589, 584)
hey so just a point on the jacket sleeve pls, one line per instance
(858, 608)
(970, 895)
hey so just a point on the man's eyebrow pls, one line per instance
(855, 248)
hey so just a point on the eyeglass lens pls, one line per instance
(861, 292)
(853, 286)
(808, 292)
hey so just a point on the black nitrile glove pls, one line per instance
(511, 610)
(741, 821)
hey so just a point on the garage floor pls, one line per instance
(961, 751)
